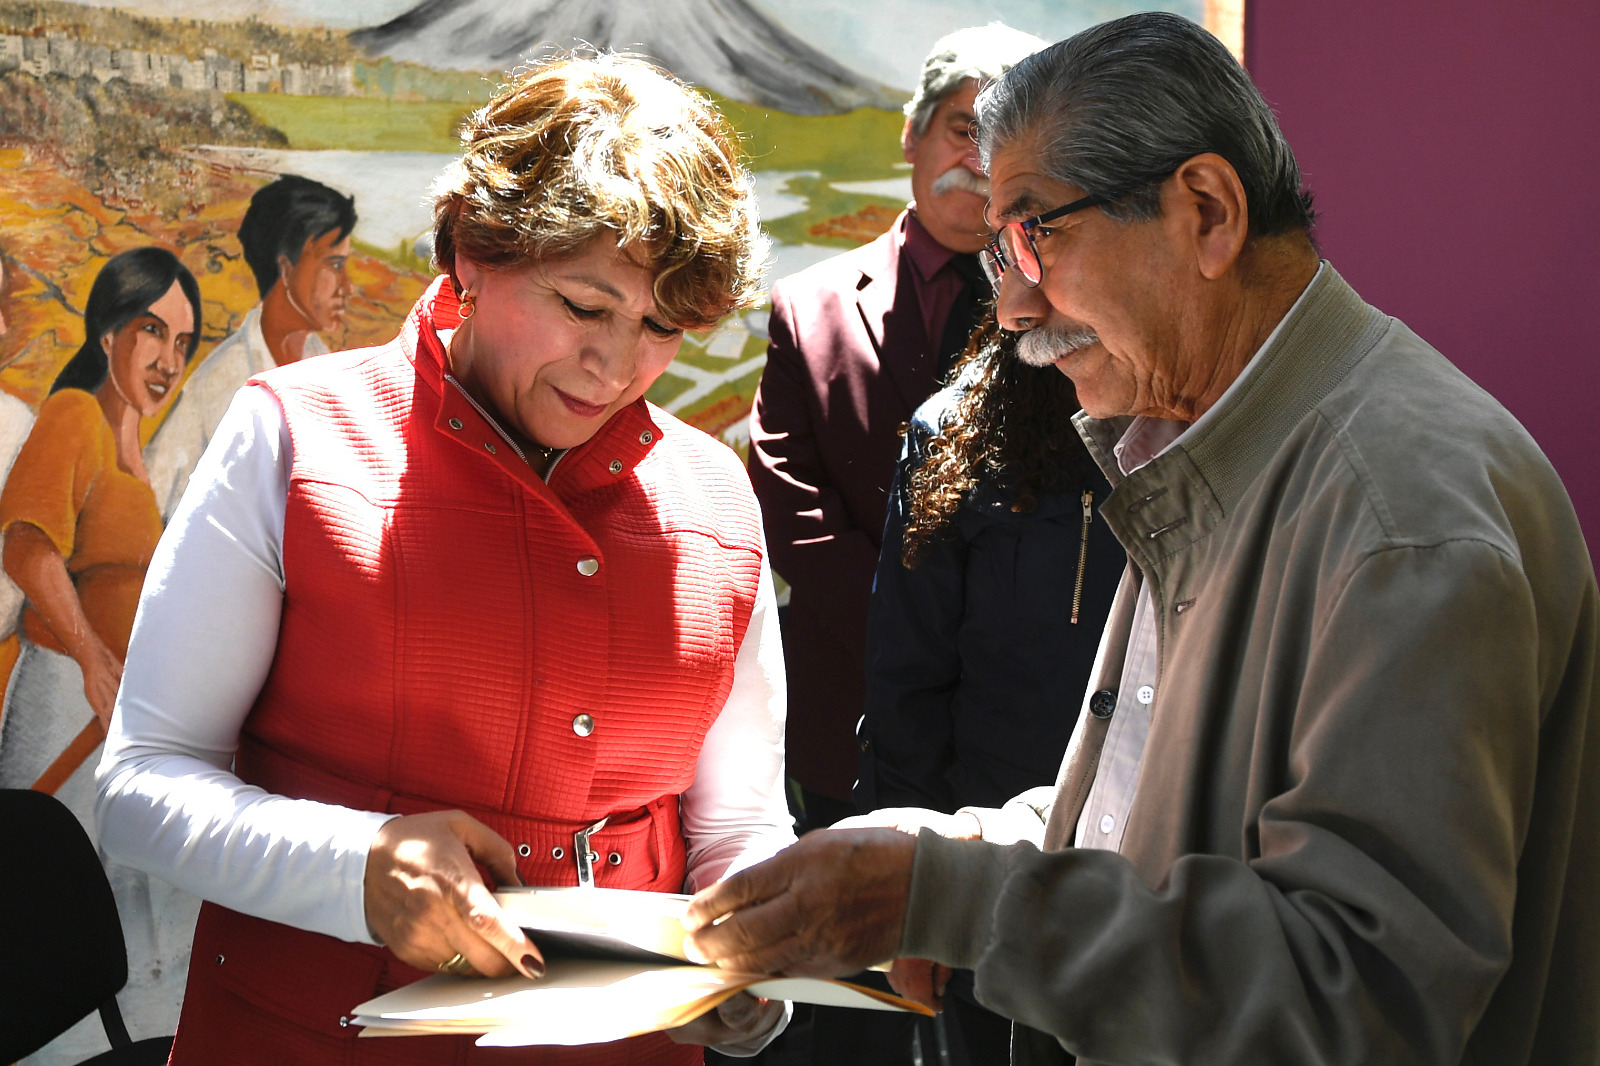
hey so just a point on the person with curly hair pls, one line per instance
(991, 592)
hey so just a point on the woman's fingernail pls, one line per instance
(692, 951)
(532, 966)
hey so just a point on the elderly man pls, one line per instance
(858, 341)
(1334, 799)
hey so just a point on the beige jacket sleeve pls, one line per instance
(1374, 921)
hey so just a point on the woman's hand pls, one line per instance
(742, 1026)
(427, 904)
(34, 562)
(102, 676)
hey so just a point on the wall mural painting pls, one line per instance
(194, 190)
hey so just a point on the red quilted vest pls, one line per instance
(457, 633)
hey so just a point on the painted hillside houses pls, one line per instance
(59, 54)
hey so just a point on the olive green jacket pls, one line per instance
(1367, 826)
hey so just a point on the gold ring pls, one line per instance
(457, 966)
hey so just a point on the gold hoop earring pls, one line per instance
(468, 304)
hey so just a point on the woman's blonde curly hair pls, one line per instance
(579, 147)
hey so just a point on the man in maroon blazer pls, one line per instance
(857, 342)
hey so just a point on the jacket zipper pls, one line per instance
(1087, 499)
(503, 435)
(555, 457)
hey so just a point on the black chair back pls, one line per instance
(62, 955)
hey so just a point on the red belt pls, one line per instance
(640, 848)
(311, 981)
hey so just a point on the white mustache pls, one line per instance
(959, 177)
(1046, 344)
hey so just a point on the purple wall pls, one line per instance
(1454, 150)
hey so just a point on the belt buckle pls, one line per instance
(583, 856)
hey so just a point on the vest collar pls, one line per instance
(607, 458)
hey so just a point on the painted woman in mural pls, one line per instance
(78, 515)
(80, 524)
(468, 597)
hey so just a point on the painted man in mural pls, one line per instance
(1331, 799)
(296, 239)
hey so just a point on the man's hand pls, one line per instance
(741, 1025)
(831, 904)
(426, 902)
(913, 820)
(920, 980)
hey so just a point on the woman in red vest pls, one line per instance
(467, 600)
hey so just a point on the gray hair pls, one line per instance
(1122, 105)
(981, 53)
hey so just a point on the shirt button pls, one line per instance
(616, 466)
(1146, 694)
(1107, 823)
(588, 566)
(646, 437)
(583, 725)
(455, 423)
(1102, 703)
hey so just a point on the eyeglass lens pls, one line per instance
(994, 266)
(1019, 251)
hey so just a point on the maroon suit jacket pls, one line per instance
(848, 361)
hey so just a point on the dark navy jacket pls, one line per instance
(975, 673)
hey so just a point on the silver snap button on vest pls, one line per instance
(558, 853)
(616, 466)
(524, 850)
(615, 858)
(588, 566)
(219, 960)
(583, 725)
(455, 423)
(344, 1021)
(646, 437)
(490, 445)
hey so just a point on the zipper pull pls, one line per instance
(1083, 551)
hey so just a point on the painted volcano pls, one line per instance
(726, 46)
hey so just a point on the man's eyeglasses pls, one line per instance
(1013, 244)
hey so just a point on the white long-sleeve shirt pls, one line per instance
(203, 642)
